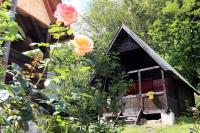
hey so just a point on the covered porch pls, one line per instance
(148, 91)
(146, 95)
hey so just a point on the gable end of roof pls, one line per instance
(163, 64)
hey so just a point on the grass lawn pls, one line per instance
(182, 126)
(158, 129)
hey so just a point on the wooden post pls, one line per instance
(165, 91)
(140, 90)
(144, 69)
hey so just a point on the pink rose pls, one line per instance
(66, 13)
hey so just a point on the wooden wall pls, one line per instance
(153, 105)
(186, 97)
(172, 94)
(179, 96)
(42, 10)
(35, 8)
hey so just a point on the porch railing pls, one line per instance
(136, 102)
(139, 99)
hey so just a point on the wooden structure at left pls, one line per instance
(34, 17)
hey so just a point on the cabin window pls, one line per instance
(133, 89)
(150, 81)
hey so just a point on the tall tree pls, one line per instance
(176, 34)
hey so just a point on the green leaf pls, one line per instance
(58, 23)
(86, 95)
(57, 29)
(70, 31)
(21, 32)
(84, 69)
(6, 4)
(8, 130)
(56, 36)
(43, 44)
(10, 90)
(1, 42)
(53, 29)
(9, 36)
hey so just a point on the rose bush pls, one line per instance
(71, 104)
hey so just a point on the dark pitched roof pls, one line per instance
(161, 62)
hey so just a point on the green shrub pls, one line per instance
(197, 100)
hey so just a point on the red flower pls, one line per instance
(66, 13)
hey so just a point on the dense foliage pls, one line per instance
(171, 27)
(9, 30)
(75, 94)
(73, 98)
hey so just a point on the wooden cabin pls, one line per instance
(34, 17)
(151, 75)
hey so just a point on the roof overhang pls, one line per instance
(41, 10)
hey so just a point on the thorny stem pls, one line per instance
(32, 69)
(45, 68)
